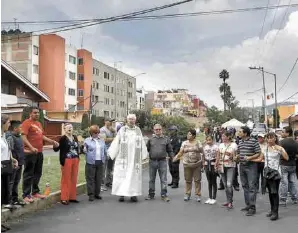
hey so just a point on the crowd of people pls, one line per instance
(114, 160)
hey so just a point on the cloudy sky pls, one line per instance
(184, 52)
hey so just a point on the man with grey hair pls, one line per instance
(159, 148)
(128, 149)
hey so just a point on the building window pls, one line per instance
(81, 77)
(106, 88)
(80, 92)
(35, 50)
(130, 84)
(129, 94)
(96, 98)
(71, 107)
(92, 98)
(106, 75)
(72, 75)
(72, 59)
(112, 89)
(94, 84)
(80, 61)
(35, 69)
(96, 71)
(71, 91)
(112, 101)
(106, 113)
(107, 101)
(97, 86)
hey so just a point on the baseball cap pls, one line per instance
(261, 135)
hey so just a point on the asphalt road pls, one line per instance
(177, 216)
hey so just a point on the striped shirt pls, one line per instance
(248, 147)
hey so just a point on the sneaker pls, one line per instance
(134, 199)
(19, 202)
(39, 196)
(165, 198)
(212, 202)
(9, 206)
(186, 198)
(269, 214)
(121, 199)
(103, 189)
(28, 200)
(274, 217)
(198, 199)
(245, 209)
(208, 201)
(225, 205)
(149, 197)
(251, 212)
(295, 202)
(230, 206)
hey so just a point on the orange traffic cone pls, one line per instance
(47, 190)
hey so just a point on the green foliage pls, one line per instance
(216, 116)
(93, 120)
(100, 121)
(84, 133)
(26, 113)
(85, 121)
(41, 117)
(276, 123)
(143, 118)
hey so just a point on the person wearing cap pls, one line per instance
(174, 166)
(108, 133)
(69, 161)
(263, 146)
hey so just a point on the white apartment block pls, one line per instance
(141, 93)
(113, 92)
(71, 92)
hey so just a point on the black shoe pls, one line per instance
(91, 198)
(74, 201)
(221, 188)
(170, 184)
(134, 199)
(19, 202)
(121, 199)
(4, 228)
(245, 209)
(98, 197)
(251, 212)
(149, 197)
(174, 186)
(269, 214)
(274, 217)
(236, 188)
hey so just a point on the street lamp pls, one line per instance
(127, 110)
(275, 92)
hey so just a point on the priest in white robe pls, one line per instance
(129, 150)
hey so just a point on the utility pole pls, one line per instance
(264, 90)
(276, 111)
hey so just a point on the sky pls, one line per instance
(185, 52)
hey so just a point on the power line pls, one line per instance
(92, 22)
(289, 97)
(110, 19)
(295, 63)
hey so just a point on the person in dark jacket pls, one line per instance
(69, 160)
(15, 142)
(174, 166)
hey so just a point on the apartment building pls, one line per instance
(113, 92)
(141, 94)
(59, 70)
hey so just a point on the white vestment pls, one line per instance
(129, 150)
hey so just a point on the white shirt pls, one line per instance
(231, 148)
(98, 149)
(5, 153)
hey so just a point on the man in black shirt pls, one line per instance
(288, 168)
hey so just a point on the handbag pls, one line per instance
(6, 167)
(270, 173)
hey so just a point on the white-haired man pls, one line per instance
(128, 149)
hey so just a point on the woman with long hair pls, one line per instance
(191, 150)
(272, 172)
(225, 165)
(210, 153)
(69, 161)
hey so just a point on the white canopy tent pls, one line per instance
(233, 123)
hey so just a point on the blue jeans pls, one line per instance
(288, 183)
(160, 167)
(249, 179)
(227, 178)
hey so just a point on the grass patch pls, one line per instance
(52, 173)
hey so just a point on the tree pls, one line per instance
(26, 113)
(142, 117)
(276, 123)
(224, 75)
(41, 117)
(85, 121)
(216, 116)
(93, 120)
(227, 97)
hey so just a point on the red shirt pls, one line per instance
(34, 132)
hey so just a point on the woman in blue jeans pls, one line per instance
(225, 165)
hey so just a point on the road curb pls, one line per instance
(39, 204)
